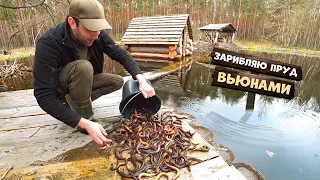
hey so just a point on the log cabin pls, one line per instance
(166, 37)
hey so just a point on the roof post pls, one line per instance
(233, 37)
(216, 38)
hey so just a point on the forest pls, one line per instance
(287, 23)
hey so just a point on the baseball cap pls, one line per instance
(90, 13)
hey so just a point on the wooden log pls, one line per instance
(149, 49)
(153, 55)
(172, 48)
(179, 50)
(172, 54)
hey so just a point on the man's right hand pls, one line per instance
(96, 131)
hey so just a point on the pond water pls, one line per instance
(280, 138)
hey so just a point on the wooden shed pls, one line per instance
(159, 37)
(214, 33)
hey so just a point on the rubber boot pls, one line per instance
(95, 94)
(83, 109)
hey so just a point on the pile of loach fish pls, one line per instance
(153, 145)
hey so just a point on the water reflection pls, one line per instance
(288, 128)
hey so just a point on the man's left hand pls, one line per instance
(145, 88)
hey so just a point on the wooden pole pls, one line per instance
(153, 55)
(233, 37)
(184, 41)
(216, 38)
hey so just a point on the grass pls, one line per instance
(266, 46)
(19, 53)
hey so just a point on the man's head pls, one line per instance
(86, 19)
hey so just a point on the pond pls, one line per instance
(279, 137)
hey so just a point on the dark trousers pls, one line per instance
(78, 79)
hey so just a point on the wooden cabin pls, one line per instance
(159, 37)
(214, 33)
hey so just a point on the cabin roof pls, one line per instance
(219, 27)
(157, 30)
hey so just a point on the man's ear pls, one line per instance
(72, 22)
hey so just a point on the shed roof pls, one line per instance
(219, 27)
(157, 30)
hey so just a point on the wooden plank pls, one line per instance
(153, 33)
(27, 122)
(23, 151)
(152, 60)
(177, 29)
(208, 168)
(153, 55)
(13, 135)
(164, 23)
(156, 27)
(102, 102)
(21, 112)
(143, 42)
(229, 173)
(155, 36)
(150, 49)
(159, 17)
(150, 40)
(16, 123)
(14, 99)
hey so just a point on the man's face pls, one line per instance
(85, 36)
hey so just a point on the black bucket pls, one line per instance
(131, 96)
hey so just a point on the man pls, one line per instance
(69, 61)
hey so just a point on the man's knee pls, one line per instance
(119, 83)
(84, 65)
(84, 69)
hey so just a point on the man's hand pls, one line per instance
(96, 131)
(145, 88)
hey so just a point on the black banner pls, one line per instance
(252, 83)
(255, 64)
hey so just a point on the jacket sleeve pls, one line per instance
(46, 74)
(115, 52)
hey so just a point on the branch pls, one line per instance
(21, 7)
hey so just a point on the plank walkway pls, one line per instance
(29, 135)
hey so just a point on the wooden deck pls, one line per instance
(32, 142)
